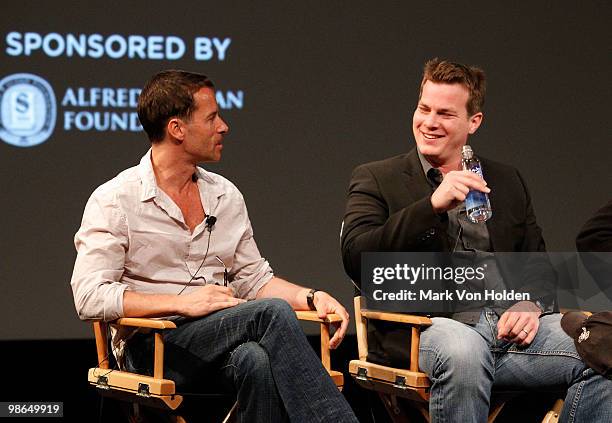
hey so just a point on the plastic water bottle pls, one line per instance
(477, 205)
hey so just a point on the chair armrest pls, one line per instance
(145, 323)
(416, 322)
(396, 317)
(126, 386)
(307, 315)
(311, 316)
(158, 351)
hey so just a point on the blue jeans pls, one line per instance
(259, 350)
(466, 362)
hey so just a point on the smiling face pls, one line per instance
(204, 129)
(441, 124)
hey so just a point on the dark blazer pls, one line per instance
(389, 209)
(596, 234)
(595, 245)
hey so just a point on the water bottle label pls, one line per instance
(475, 199)
(477, 203)
(476, 169)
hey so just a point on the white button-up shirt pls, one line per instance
(134, 237)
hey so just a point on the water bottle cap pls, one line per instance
(467, 152)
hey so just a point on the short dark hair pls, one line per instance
(471, 77)
(168, 94)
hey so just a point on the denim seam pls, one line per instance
(546, 353)
(438, 403)
(233, 366)
(575, 401)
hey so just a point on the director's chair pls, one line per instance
(157, 392)
(408, 383)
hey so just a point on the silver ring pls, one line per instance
(526, 333)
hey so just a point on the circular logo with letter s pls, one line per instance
(27, 110)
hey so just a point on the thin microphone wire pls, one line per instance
(201, 264)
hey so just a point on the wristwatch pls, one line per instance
(310, 299)
(541, 306)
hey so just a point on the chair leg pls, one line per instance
(394, 409)
(134, 415)
(424, 409)
(231, 415)
(493, 412)
(553, 415)
(137, 414)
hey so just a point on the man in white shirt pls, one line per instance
(168, 239)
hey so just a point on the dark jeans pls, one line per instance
(259, 350)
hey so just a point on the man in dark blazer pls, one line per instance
(414, 203)
(595, 245)
(596, 234)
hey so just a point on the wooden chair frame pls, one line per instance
(325, 325)
(150, 391)
(155, 391)
(411, 384)
(390, 382)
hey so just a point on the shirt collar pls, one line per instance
(149, 184)
(424, 163)
(147, 177)
(426, 168)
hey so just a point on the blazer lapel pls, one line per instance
(414, 178)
